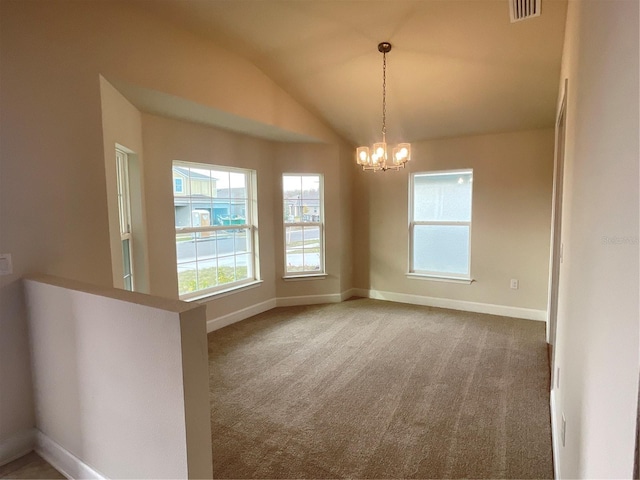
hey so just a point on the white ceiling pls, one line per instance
(457, 67)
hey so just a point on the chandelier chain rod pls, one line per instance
(384, 96)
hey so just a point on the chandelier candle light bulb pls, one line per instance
(377, 158)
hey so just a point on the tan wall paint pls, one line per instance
(346, 167)
(52, 55)
(322, 159)
(122, 125)
(166, 140)
(511, 219)
(598, 321)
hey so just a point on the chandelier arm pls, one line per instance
(375, 159)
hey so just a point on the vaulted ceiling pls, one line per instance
(457, 67)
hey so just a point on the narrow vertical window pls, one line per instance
(124, 211)
(440, 224)
(303, 216)
(216, 228)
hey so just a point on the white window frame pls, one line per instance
(250, 225)
(443, 276)
(124, 214)
(305, 274)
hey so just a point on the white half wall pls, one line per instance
(120, 380)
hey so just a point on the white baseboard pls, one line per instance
(506, 311)
(360, 292)
(17, 445)
(308, 300)
(555, 435)
(516, 312)
(225, 320)
(63, 460)
(347, 294)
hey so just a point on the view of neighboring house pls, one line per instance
(198, 202)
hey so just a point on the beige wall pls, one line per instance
(122, 127)
(52, 55)
(321, 159)
(512, 181)
(598, 322)
(166, 140)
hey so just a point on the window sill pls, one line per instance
(223, 293)
(437, 278)
(311, 276)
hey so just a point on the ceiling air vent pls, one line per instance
(523, 9)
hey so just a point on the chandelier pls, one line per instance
(377, 157)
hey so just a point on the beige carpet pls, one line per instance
(372, 389)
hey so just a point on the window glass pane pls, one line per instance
(293, 249)
(292, 184)
(213, 197)
(219, 184)
(237, 182)
(302, 203)
(206, 246)
(126, 264)
(207, 273)
(227, 270)
(292, 196)
(311, 198)
(241, 241)
(185, 247)
(441, 248)
(243, 267)
(442, 197)
(303, 248)
(182, 211)
(301, 195)
(126, 257)
(187, 278)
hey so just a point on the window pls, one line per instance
(440, 224)
(303, 224)
(124, 212)
(178, 185)
(216, 228)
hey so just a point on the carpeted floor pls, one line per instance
(372, 389)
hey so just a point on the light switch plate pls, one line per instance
(6, 267)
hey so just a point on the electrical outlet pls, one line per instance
(563, 431)
(514, 283)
